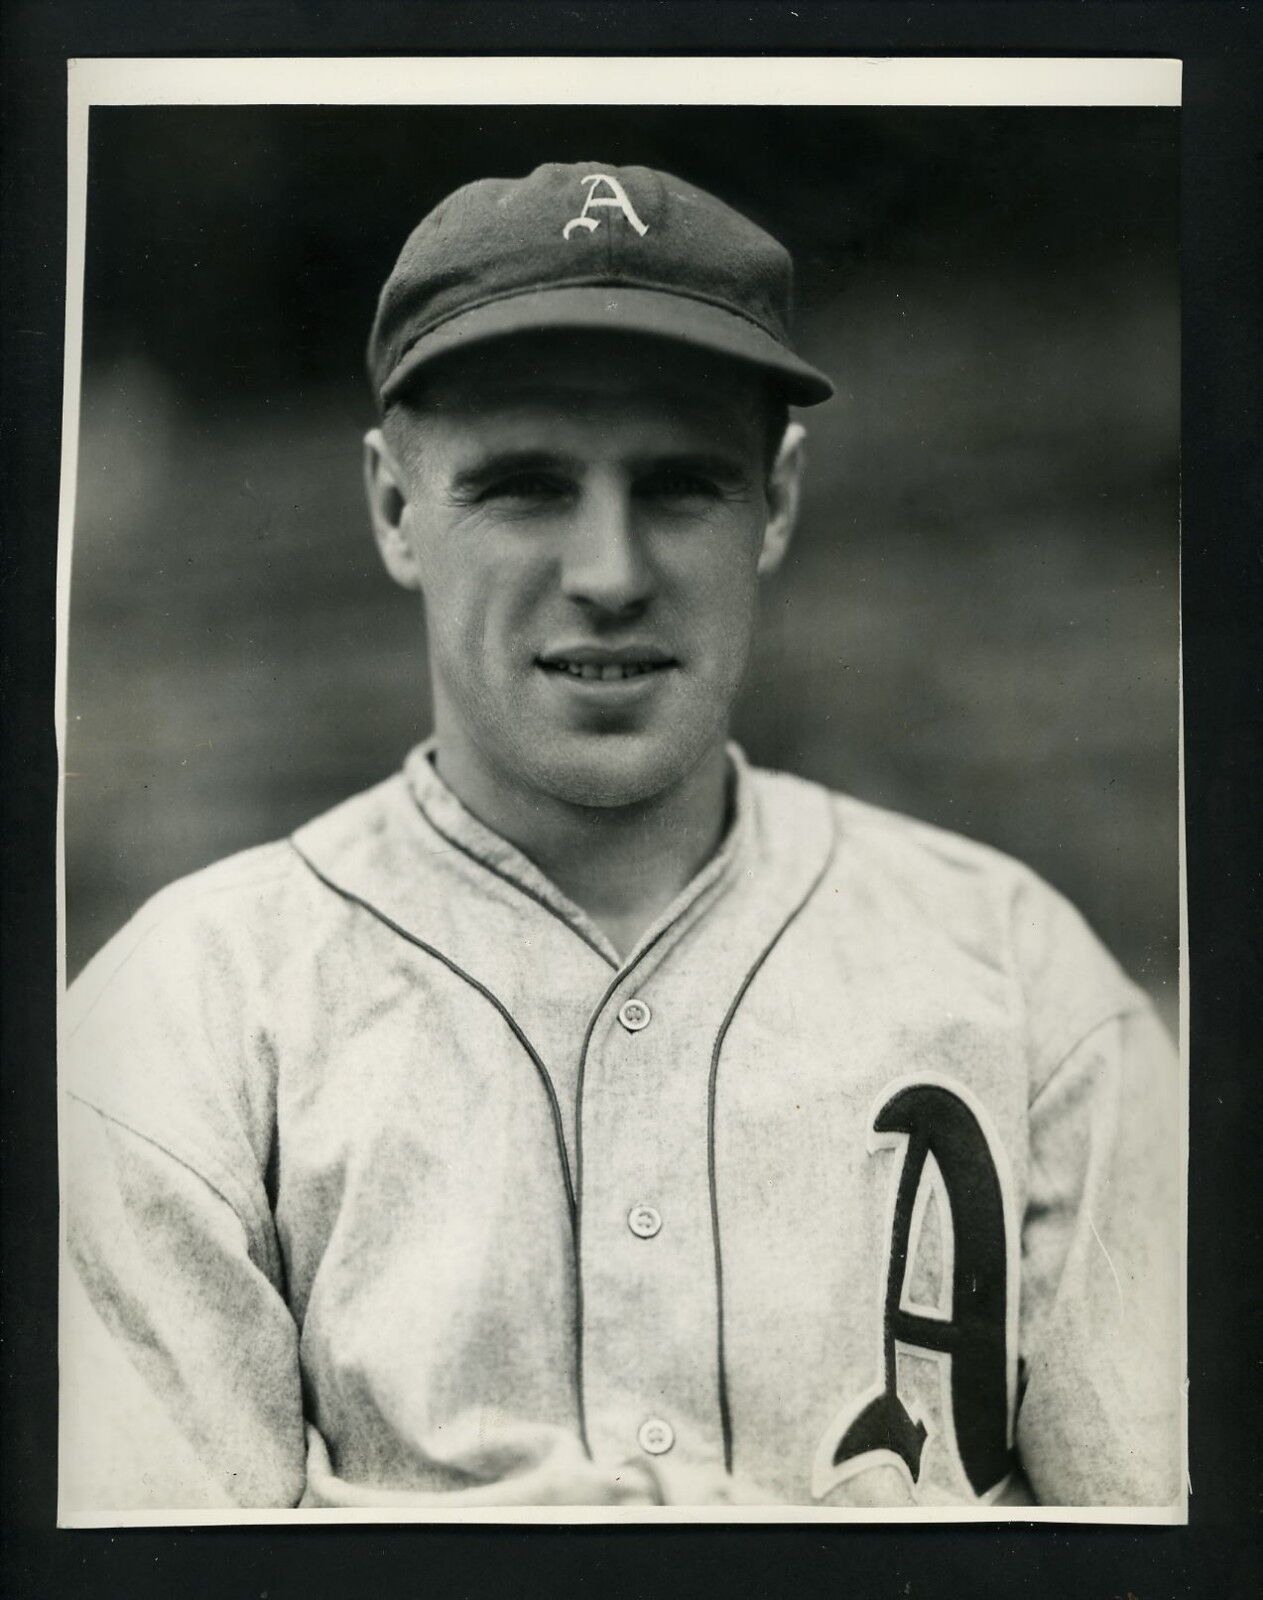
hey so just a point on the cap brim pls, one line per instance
(616, 308)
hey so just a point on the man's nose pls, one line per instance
(603, 563)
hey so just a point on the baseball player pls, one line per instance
(583, 1115)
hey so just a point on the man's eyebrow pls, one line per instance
(706, 463)
(503, 463)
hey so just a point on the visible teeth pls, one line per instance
(608, 672)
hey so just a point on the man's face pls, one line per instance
(586, 521)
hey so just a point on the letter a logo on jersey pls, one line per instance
(614, 196)
(967, 1328)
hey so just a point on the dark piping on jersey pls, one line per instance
(725, 1408)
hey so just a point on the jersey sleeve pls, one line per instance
(180, 1382)
(1100, 1409)
(179, 1362)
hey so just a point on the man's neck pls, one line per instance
(622, 865)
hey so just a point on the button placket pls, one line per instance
(651, 1310)
(645, 1159)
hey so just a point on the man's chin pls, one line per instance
(610, 771)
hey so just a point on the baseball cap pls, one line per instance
(584, 246)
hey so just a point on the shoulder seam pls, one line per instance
(1138, 1005)
(245, 1213)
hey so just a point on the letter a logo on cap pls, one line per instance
(616, 198)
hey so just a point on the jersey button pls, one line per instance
(655, 1437)
(644, 1221)
(634, 1015)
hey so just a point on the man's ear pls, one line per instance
(784, 485)
(386, 488)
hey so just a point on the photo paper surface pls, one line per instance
(619, 712)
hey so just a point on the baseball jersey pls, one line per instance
(387, 1179)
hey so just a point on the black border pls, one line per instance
(1221, 44)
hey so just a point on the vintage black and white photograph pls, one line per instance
(620, 734)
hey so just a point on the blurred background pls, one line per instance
(978, 624)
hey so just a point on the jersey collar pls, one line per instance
(456, 826)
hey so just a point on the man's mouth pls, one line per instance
(591, 664)
(611, 672)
